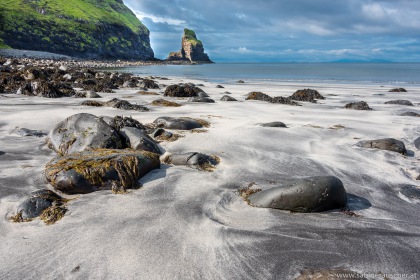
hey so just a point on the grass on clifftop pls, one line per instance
(190, 36)
(3, 45)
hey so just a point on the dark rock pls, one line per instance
(147, 83)
(160, 131)
(201, 99)
(313, 194)
(240, 82)
(410, 114)
(398, 90)
(258, 96)
(400, 102)
(125, 105)
(92, 103)
(284, 100)
(196, 160)
(389, 144)
(27, 132)
(417, 143)
(132, 83)
(162, 135)
(219, 86)
(99, 169)
(80, 132)
(411, 192)
(202, 94)
(37, 203)
(119, 122)
(137, 139)
(274, 124)
(227, 92)
(179, 123)
(164, 103)
(361, 105)
(182, 91)
(227, 98)
(308, 95)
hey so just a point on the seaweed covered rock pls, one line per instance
(388, 144)
(164, 103)
(410, 114)
(201, 100)
(361, 105)
(313, 194)
(137, 139)
(94, 170)
(227, 98)
(256, 95)
(180, 123)
(81, 132)
(398, 90)
(273, 124)
(284, 100)
(119, 122)
(193, 159)
(308, 95)
(182, 91)
(400, 102)
(125, 105)
(148, 83)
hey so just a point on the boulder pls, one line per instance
(118, 122)
(81, 132)
(164, 103)
(202, 94)
(125, 105)
(27, 132)
(193, 159)
(240, 82)
(147, 83)
(201, 99)
(398, 90)
(284, 100)
(417, 143)
(39, 200)
(256, 95)
(94, 170)
(182, 91)
(313, 194)
(92, 94)
(227, 98)
(410, 114)
(389, 144)
(219, 86)
(137, 139)
(410, 191)
(400, 102)
(274, 124)
(180, 123)
(308, 95)
(361, 105)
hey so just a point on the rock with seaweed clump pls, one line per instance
(182, 91)
(308, 95)
(81, 132)
(400, 102)
(119, 122)
(361, 105)
(256, 95)
(148, 83)
(180, 123)
(388, 144)
(125, 105)
(90, 171)
(196, 160)
(137, 139)
(284, 100)
(42, 203)
(398, 90)
(164, 103)
(313, 194)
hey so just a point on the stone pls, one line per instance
(410, 114)
(192, 49)
(81, 132)
(67, 77)
(417, 143)
(39, 200)
(92, 94)
(182, 91)
(164, 103)
(179, 123)
(137, 139)
(201, 99)
(284, 100)
(258, 96)
(99, 169)
(240, 82)
(308, 95)
(388, 144)
(361, 105)
(410, 192)
(27, 132)
(125, 105)
(400, 102)
(219, 86)
(194, 159)
(202, 94)
(313, 194)
(398, 90)
(227, 98)
(130, 84)
(148, 84)
(274, 124)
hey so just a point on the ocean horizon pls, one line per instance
(396, 73)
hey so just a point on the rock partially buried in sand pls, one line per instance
(256, 95)
(388, 144)
(180, 123)
(410, 114)
(137, 139)
(417, 143)
(273, 124)
(115, 103)
(201, 100)
(329, 274)
(27, 132)
(308, 95)
(227, 98)
(400, 102)
(196, 160)
(411, 192)
(398, 90)
(361, 105)
(313, 194)
(99, 169)
(82, 132)
(219, 86)
(164, 103)
(240, 82)
(182, 91)
(284, 100)
(148, 84)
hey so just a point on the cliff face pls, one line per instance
(191, 49)
(81, 28)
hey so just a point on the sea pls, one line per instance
(363, 73)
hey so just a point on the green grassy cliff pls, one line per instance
(82, 28)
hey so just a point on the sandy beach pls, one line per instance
(189, 224)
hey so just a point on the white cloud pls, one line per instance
(157, 19)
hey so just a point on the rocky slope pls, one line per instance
(80, 28)
(192, 49)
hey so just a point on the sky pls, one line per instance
(287, 30)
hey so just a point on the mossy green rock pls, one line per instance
(81, 28)
(90, 171)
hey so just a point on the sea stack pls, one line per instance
(192, 49)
